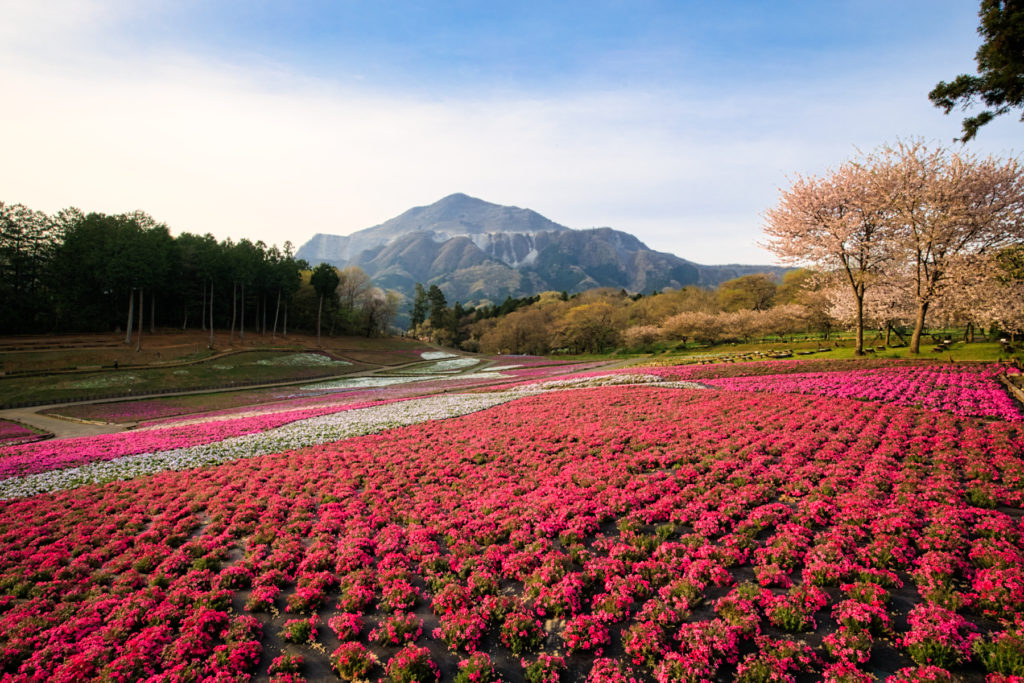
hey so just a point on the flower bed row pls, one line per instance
(68, 463)
(963, 390)
(13, 433)
(51, 455)
(51, 476)
(611, 533)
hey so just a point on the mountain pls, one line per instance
(476, 251)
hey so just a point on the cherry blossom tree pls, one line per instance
(641, 336)
(942, 206)
(981, 291)
(835, 224)
(887, 307)
(696, 325)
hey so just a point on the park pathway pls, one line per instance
(59, 427)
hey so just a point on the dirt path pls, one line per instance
(60, 428)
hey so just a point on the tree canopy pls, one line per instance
(999, 83)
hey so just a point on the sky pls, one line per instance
(676, 121)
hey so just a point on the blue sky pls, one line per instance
(675, 121)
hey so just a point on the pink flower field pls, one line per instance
(964, 390)
(12, 433)
(851, 526)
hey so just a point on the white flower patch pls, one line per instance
(437, 355)
(302, 360)
(685, 385)
(481, 374)
(450, 365)
(311, 432)
(584, 382)
(102, 382)
(499, 368)
(361, 383)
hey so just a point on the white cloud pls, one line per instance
(259, 151)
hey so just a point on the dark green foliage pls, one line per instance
(1000, 80)
(77, 272)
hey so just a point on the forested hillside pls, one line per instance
(78, 272)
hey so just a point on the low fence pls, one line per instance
(1014, 390)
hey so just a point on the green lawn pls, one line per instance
(244, 368)
(841, 348)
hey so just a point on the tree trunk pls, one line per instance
(915, 338)
(211, 314)
(264, 300)
(141, 302)
(131, 312)
(241, 325)
(859, 347)
(202, 313)
(277, 310)
(234, 311)
(319, 310)
(184, 319)
(284, 323)
(152, 313)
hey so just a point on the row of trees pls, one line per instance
(908, 231)
(432, 319)
(77, 272)
(598, 320)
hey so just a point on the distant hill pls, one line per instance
(476, 251)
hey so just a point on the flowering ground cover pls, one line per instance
(54, 455)
(779, 367)
(595, 534)
(445, 365)
(13, 433)
(964, 390)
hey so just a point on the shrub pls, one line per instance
(521, 633)
(585, 633)
(605, 670)
(545, 669)
(1002, 653)
(398, 628)
(938, 636)
(352, 661)
(346, 626)
(412, 664)
(477, 669)
(285, 664)
(462, 629)
(299, 631)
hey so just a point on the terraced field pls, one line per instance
(758, 522)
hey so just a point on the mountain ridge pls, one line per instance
(478, 252)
